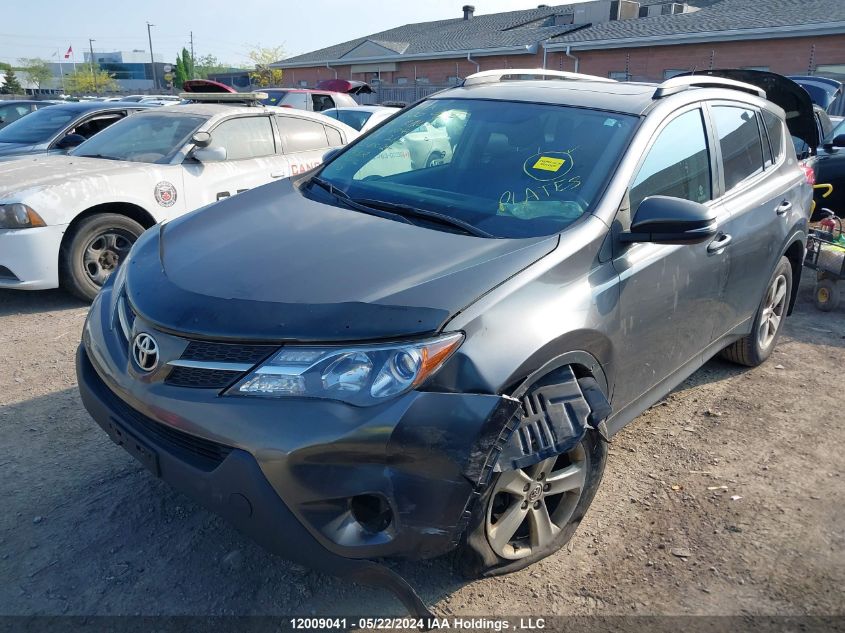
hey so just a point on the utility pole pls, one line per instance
(193, 61)
(93, 74)
(152, 59)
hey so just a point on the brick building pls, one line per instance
(621, 39)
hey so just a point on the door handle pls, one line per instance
(719, 244)
(278, 174)
(783, 207)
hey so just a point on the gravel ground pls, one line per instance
(726, 498)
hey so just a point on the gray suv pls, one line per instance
(395, 357)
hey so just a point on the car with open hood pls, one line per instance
(70, 220)
(372, 361)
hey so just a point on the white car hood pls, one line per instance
(32, 174)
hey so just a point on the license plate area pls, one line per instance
(135, 447)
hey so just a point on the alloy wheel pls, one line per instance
(105, 252)
(773, 312)
(529, 507)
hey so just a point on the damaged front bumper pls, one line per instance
(293, 474)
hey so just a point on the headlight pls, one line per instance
(19, 216)
(360, 375)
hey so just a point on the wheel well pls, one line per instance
(795, 255)
(132, 211)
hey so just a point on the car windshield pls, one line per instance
(38, 127)
(352, 118)
(143, 138)
(506, 169)
(273, 97)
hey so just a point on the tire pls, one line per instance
(93, 250)
(826, 295)
(479, 555)
(756, 347)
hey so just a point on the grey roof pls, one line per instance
(714, 16)
(515, 29)
(495, 30)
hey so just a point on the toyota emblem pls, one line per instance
(145, 352)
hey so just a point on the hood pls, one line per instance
(272, 265)
(781, 91)
(12, 149)
(344, 85)
(42, 171)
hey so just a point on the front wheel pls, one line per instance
(94, 250)
(756, 347)
(528, 514)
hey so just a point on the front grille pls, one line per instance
(227, 352)
(199, 378)
(199, 452)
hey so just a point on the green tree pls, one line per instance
(83, 82)
(207, 65)
(11, 86)
(262, 57)
(179, 76)
(188, 63)
(37, 69)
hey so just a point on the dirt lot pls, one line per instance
(740, 471)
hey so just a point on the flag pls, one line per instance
(69, 52)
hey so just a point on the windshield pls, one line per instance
(143, 138)
(352, 118)
(508, 169)
(38, 127)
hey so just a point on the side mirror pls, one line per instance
(210, 154)
(666, 220)
(331, 154)
(836, 141)
(201, 139)
(71, 140)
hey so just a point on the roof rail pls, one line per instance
(492, 76)
(685, 82)
(249, 98)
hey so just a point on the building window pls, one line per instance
(672, 72)
(453, 80)
(401, 81)
(303, 83)
(422, 80)
(618, 75)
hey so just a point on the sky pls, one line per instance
(227, 29)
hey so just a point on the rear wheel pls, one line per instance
(97, 246)
(756, 347)
(530, 513)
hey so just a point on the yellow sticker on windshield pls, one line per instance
(548, 163)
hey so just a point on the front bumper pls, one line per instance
(29, 258)
(285, 471)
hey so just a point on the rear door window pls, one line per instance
(302, 135)
(739, 140)
(245, 137)
(678, 163)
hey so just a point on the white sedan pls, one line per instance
(362, 118)
(70, 220)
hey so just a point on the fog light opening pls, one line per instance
(372, 512)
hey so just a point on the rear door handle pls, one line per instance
(719, 244)
(278, 174)
(783, 207)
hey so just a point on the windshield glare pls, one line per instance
(142, 138)
(38, 127)
(510, 169)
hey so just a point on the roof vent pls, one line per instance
(468, 11)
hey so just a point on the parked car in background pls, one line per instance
(431, 359)
(61, 127)
(71, 220)
(823, 91)
(362, 118)
(11, 111)
(302, 99)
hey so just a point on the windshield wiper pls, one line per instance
(103, 156)
(354, 204)
(425, 214)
